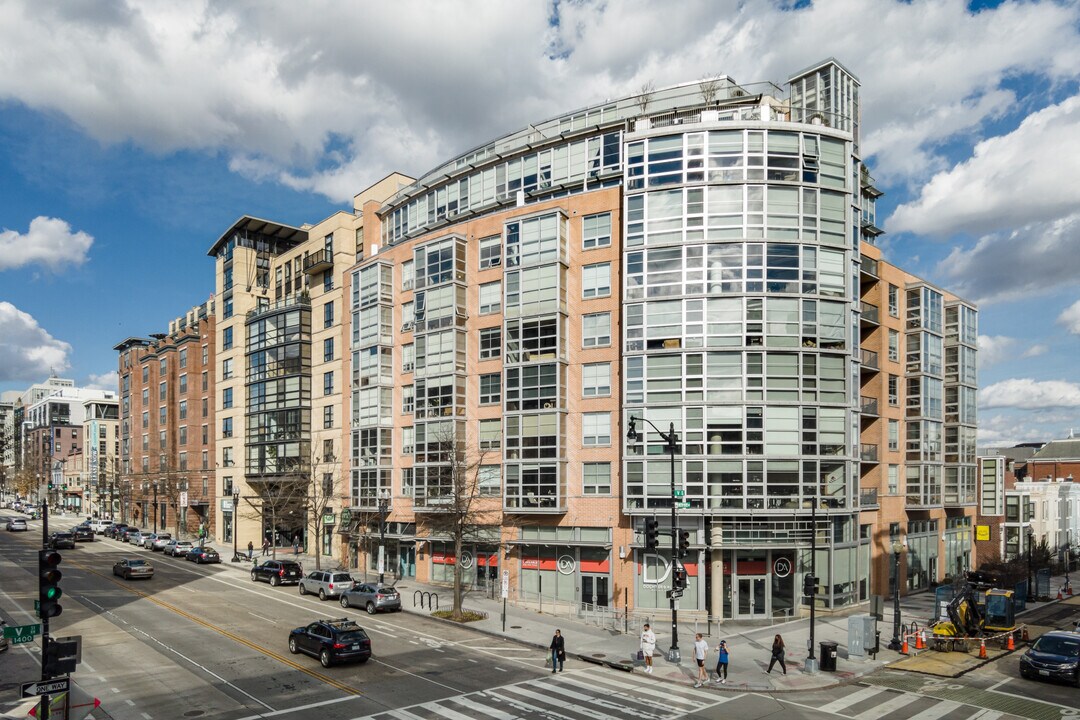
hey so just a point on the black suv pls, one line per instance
(331, 641)
(114, 530)
(83, 533)
(1054, 656)
(277, 572)
(61, 540)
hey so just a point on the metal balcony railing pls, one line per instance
(868, 452)
(870, 313)
(869, 359)
(868, 405)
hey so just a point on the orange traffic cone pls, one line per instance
(1011, 644)
(1068, 590)
(982, 649)
(919, 642)
(904, 647)
(1059, 594)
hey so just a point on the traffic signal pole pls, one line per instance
(43, 707)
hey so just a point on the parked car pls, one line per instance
(113, 531)
(1054, 656)
(326, 583)
(176, 548)
(136, 538)
(277, 572)
(205, 554)
(161, 541)
(17, 524)
(62, 540)
(331, 641)
(100, 526)
(83, 533)
(148, 539)
(128, 533)
(133, 568)
(373, 597)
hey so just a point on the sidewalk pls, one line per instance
(748, 643)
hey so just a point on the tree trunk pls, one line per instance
(459, 592)
(317, 539)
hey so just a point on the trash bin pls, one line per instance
(828, 655)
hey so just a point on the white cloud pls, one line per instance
(1032, 260)
(27, 351)
(104, 381)
(994, 349)
(330, 96)
(49, 242)
(1031, 394)
(1070, 318)
(1035, 351)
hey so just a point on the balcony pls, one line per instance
(868, 453)
(868, 406)
(298, 300)
(869, 313)
(869, 360)
(868, 498)
(869, 266)
(318, 261)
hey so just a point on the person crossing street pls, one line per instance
(558, 651)
(701, 650)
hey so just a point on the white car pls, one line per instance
(17, 524)
(160, 541)
(178, 548)
(99, 526)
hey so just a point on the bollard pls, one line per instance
(982, 649)
(1011, 645)
(1024, 633)
(920, 640)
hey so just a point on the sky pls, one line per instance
(133, 133)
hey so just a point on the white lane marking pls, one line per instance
(262, 618)
(418, 677)
(836, 706)
(685, 695)
(298, 708)
(115, 690)
(477, 707)
(584, 703)
(86, 666)
(445, 712)
(943, 708)
(129, 702)
(472, 661)
(891, 705)
(16, 605)
(625, 699)
(148, 716)
(500, 669)
(998, 684)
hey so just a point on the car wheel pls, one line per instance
(324, 658)
(254, 578)
(127, 576)
(292, 646)
(344, 601)
(371, 608)
(274, 580)
(301, 589)
(322, 594)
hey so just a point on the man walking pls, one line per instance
(266, 546)
(648, 646)
(558, 651)
(701, 649)
(251, 549)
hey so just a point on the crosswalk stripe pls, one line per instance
(477, 707)
(939, 710)
(445, 712)
(645, 702)
(685, 695)
(858, 696)
(517, 702)
(564, 708)
(987, 715)
(893, 704)
(589, 700)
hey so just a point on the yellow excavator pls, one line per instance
(968, 618)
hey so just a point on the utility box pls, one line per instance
(861, 634)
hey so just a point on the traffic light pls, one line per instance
(679, 578)
(809, 586)
(49, 591)
(684, 542)
(51, 486)
(652, 533)
(61, 657)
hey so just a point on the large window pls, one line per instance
(596, 478)
(226, 398)
(490, 252)
(596, 379)
(490, 297)
(490, 342)
(596, 429)
(490, 434)
(490, 388)
(596, 329)
(227, 338)
(596, 280)
(533, 241)
(328, 314)
(489, 480)
(596, 231)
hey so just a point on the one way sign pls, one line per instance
(45, 687)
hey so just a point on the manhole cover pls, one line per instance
(599, 655)
(515, 627)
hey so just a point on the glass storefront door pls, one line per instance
(594, 590)
(753, 601)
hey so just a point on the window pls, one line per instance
(146, 418)
(183, 461)
(183, 383)
(227, 457)
(227, 307)
(183, 358)
(596, 478)
(408, 440)
(596, 380)
(161, 415)
(490, 297)
(596, 280)
(490, 342)
(894, 346)
(490, 388)
(145, 442)
(596, 231)
(328, 450)
(328, 314)
(894, 480)
(595, 429)
(408, 357)
(491, 434)
(205, 407)
(205, 354)
(226, 398)
(182, 439)
(328, 281)
(328, 349)
(183, 409)
(408, 399)
(226, 339)
(490, 252)
(226, 368)
(894, 434)
(205, 434)
(894, 392)
(205, 380)
(408, 275)
(145, 396)
(489, 480)
(328, 383)
(145, 374)
(161, 439)
(328, 417)
(596, 329)
(407, 482)
(163, 366)
(894, 301)
(162, 391)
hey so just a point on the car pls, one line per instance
(61, 540)
(160, 541)
(373, 597)
(136, 538)
(128, 533)
(176, 548)
(326, 583)
(17, 524)
(83, 533)
(332, 641)
(277, 572)
(129, 568)
(114, 530)
(100, 526)
(1054, 656)
(200, 555)
(147, 540)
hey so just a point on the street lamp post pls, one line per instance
(895, 643)
(384, 509)
(1031, 571)
(235, 516)
(672, 441)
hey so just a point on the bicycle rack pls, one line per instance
(428, 600)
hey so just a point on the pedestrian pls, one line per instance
(777, 654)
(266, 546)
(296, 544)
(648, 646)
(701, 649)
(558, 651)
(721, 662)
(251, 549)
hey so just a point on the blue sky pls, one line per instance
(133, 134)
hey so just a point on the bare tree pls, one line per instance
(276, 500)
(710, 87)
(645, 96)
(322, 478)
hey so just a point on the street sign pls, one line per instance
(680, 493)
(21, 633)
(676, 594)
(183, 498)
(505, 584)
(45, 687)
(683, 504)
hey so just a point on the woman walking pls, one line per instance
(721, 662)
(648, 646)
(558, 651)
(777, 654)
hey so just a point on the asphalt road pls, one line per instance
(206, 642)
